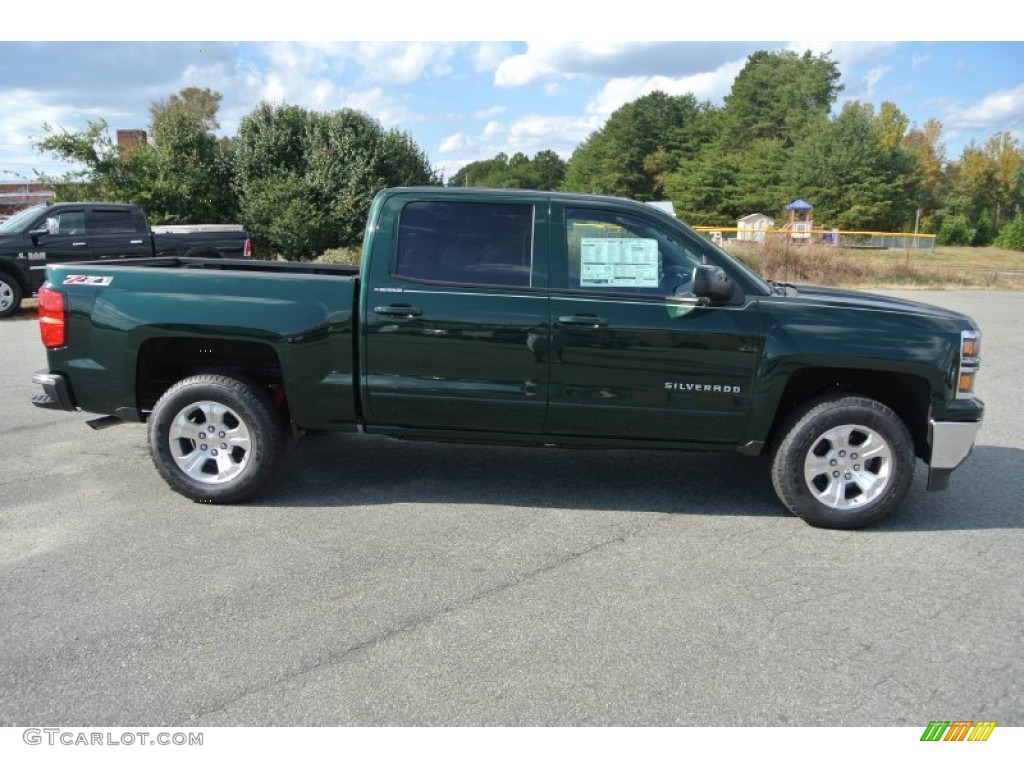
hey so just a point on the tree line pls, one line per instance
(301, 181)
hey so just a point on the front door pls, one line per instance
(66, 241)
(634, 354)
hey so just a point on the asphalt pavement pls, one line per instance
(387, 583)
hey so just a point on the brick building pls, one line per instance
(16, 195)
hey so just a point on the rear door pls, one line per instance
(66, 240)
(455, 314)
(118, 233)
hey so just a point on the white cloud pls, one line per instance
(711, 86)
(528, 134)
(21, 124)
(917, 61)
(998, 111)
(520, 70)
(616, 60)
(483, 114)
(459, 142)
(307, 75)
(488, 56)
(872, 78)
(846, 53)
(402, 63)
(532, 133)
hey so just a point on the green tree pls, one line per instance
(853, 181)
(778, 95)
(1012, 234)
(544, 172)
(955, 230)
(182, 175)
(627, 156)
(892, 126)
(306, 178)
(703, 190)
(187, 169)
(101, 174)
(930, 160)
(971, 187)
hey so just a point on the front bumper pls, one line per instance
(951, 443)
(56, 394)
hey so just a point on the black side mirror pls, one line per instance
(35, 234)
(711, 282)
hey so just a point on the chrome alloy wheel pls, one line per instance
(848, 466)
(209, 442)
(6, 295)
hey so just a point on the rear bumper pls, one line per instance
(951, 443)
(56, 394)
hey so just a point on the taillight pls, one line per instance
(52, 319)
(247, 249)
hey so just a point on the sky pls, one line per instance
(465, 101)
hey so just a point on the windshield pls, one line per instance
(18, 221)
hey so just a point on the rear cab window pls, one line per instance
(466, 243)
(107, 221)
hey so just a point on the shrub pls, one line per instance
(955, 230)
(341, 256)
(1012, 235)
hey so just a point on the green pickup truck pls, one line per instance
(504, 316)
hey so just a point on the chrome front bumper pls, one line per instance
(951, 442)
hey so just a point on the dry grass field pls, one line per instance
(945, 267)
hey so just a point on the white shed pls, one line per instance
(750, 226)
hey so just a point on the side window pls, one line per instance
(113, 222)
(466, 243)
(622, 253)
(66, 223)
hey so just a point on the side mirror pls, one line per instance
(711, 282)
(38, 232)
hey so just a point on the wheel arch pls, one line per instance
(908, 395)
(164, 361)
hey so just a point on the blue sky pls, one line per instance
(465, 101)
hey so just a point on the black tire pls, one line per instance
(843, 462)
(248, 439)
(10, 295)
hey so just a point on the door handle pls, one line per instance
(398, 310)
(590, 321)
(81, 243)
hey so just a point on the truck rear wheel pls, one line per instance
(843, 462)
(216, 439)
(10, 295)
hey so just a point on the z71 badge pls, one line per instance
(88, 280)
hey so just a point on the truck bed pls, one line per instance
(294, 319)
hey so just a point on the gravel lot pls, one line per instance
(411, 584)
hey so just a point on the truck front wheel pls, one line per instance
(10, 295)
(843, 462)
(216, 439)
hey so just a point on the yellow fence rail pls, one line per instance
(845, 238)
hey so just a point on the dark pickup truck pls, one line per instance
(499, 316)
(71, 232)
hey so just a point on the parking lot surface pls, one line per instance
(388, 583)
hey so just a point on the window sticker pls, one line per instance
(618, 262)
